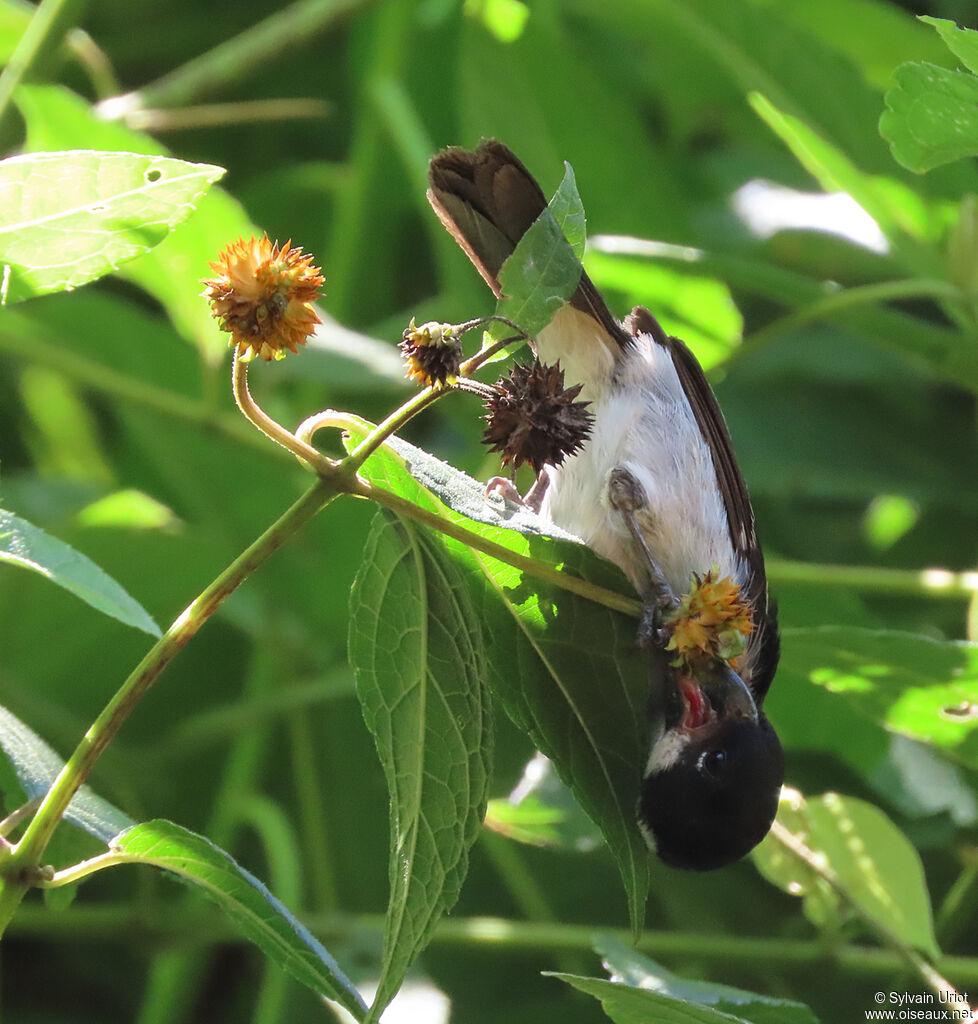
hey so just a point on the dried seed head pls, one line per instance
(533, 418)
(711, 622)
(432, 353)
(262, 296)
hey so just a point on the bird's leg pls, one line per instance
(533, 498)
(626, 496)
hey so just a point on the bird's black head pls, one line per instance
(714, 776)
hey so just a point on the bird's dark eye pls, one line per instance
(713, 763)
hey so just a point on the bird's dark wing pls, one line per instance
(763, 645)
(487, 201)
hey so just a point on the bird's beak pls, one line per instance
(730, 695)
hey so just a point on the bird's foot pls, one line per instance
(532, 500)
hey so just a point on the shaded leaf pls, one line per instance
(629, 967)
(417, 651)
(29, 547)
(548, 648)
(36, 766)
(67, 218)
(912, 685)
(265, 920)
(870, 859)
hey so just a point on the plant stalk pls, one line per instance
(28, 851)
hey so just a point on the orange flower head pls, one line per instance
(262, 296)
(711, 622)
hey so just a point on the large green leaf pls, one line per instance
(36, 766)
(912, 685)
(260, 916)
(29, 547)
(565, 668)
(865, 855)
(628, 967)
(67, 218)
(416, 647)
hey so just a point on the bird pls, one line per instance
(656, 489)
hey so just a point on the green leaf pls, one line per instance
(627, 1005)
(871, 860)
(700, 310)
(901, 213)
(68, 218)
(543, 271)
(962, 42)
(171, 273)
(542, 811)
(931, 116)
(912, 685)
(417, 651)
(568, 210)
(631, 968)
(36, 766)
(29, 547)
(265, 920)
(548, 647)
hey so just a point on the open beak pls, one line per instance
(730, 695)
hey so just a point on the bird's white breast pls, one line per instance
(643, 423)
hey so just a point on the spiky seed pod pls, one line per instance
(432, 354)
(711, 622)
(262, 296)
(533, 418)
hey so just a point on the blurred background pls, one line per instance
(855, 433)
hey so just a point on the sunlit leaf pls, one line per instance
(629, 967)
(931, 116)
(626, 1005)
(962, 42)
(543, 270)
(67, 218)
(28, 547)
(912, 685)
(56, 117)
(864, 855)
(700, 310)
(265, 920)
(416, 647)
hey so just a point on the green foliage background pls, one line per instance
(856, 436)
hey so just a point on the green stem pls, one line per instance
(275, 431)
(849, 298)
(26, 854)
(397, 419)
(935, 583)
(48, 17)
(235, 57)
(196, 927)
(540, 570)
